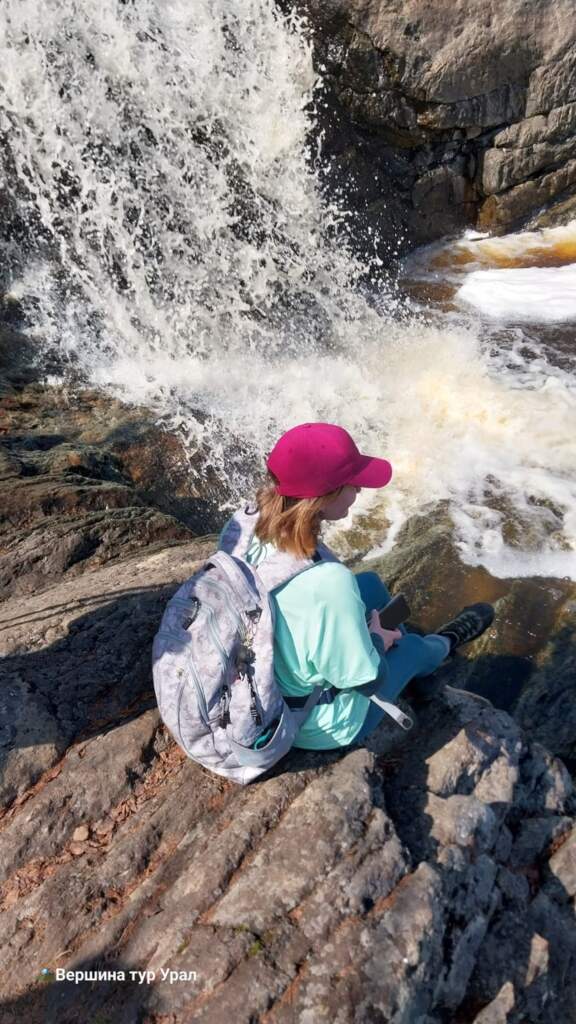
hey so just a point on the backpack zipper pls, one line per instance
(216, 637)
(246, 640)
(202, 708)
(185, 605)
(225, 706)
(230, 583)
(224, 661)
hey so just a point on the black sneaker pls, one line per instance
(469, 624)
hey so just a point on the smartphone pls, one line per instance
(396, 611)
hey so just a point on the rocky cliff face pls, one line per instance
(428, 880)
(84, 478)
(441, 115)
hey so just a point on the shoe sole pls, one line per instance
(468, 693)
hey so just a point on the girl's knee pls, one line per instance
(423, 653)
(412, 643)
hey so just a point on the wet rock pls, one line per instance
(18, 356)
(85, 479)
(524, 663)
(425, 565)
(561, 211)
(498, 1010)
(41, 554)
(503, 212)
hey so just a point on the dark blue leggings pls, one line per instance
(412, 656)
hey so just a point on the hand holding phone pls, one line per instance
(388, 636)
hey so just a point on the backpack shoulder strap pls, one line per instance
(238, 532)
(274, 570)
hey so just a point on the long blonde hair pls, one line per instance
(291, 524)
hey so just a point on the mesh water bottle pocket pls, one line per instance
(277, 746)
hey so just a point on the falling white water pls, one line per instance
(173, 245)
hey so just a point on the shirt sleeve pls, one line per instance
(339, 643)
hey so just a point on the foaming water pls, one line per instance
(476, 428)
(532, 276)
(158, 159)
(532, 294)
(177, 251)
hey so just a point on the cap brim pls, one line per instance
(374, 473)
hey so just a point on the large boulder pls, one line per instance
(526, 662)
(441, 115)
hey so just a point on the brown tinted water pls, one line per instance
(435, 273)
(559, 255)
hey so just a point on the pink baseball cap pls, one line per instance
(315, 458)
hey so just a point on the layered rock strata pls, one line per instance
(427, 881)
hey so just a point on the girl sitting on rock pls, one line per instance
(327, 627)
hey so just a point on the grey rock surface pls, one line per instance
(384, 883)
(440, 115)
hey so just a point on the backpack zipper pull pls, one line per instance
(244, 661)
(253, 706)
(225, 706)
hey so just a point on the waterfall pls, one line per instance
(167, 238)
